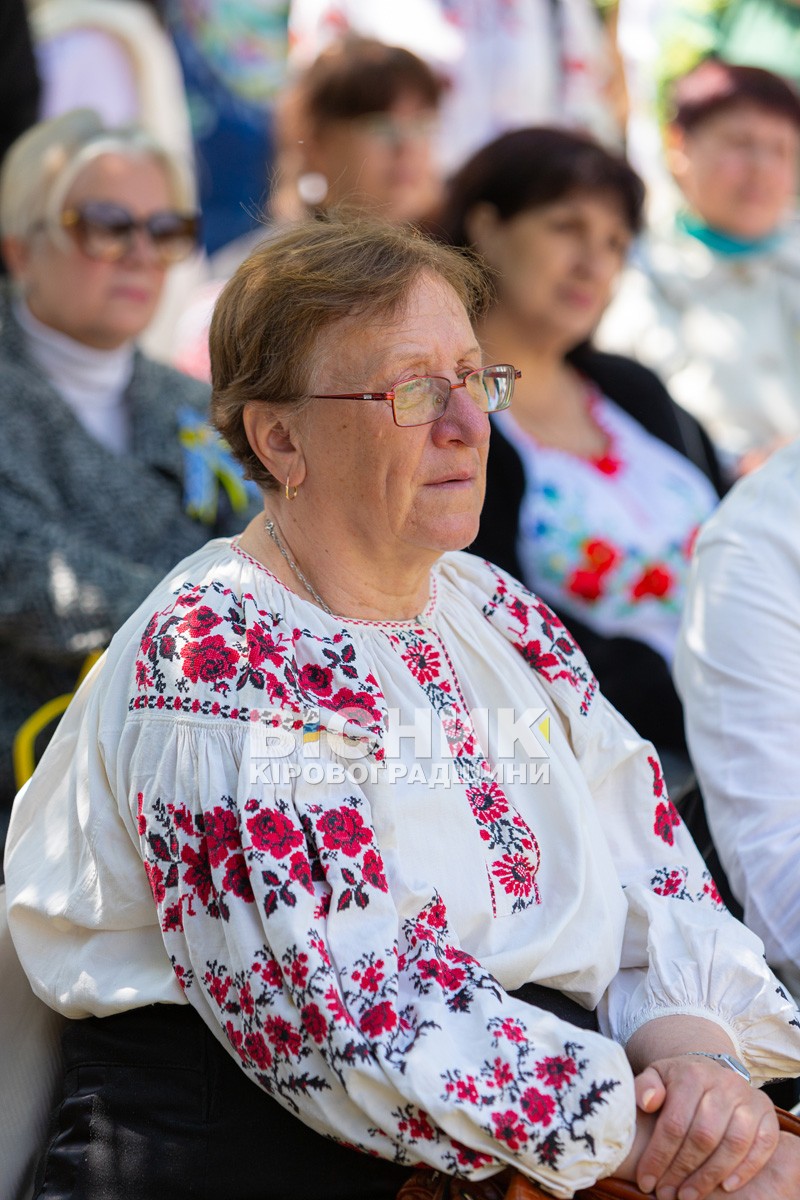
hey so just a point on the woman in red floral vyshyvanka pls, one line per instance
(340, 863)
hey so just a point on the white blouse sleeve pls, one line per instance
(682, 951)
(373, 1026)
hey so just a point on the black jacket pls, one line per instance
(633, 676)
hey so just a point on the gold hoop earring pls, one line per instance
(291, 492)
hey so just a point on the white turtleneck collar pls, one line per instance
(92, 382)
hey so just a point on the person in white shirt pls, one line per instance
(341, 829)
(711, 299)
(736, 668)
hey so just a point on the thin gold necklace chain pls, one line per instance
(312, 591)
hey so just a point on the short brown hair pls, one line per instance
(270, 315)
(714, 86)
(356, 76)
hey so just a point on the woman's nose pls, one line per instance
(462, 420)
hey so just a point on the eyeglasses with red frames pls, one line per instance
(423, 400)
(105, 231)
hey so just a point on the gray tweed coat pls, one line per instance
(84, 534)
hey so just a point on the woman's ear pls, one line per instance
(15, 254)
(275, 442)
(675, 154)
(482, 224)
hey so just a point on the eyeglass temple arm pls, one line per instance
(354, 396)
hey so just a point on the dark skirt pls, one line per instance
(154, 1108)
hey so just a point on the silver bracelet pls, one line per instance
(724, 1060)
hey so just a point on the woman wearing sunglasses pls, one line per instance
(106, 475)
(597, 481)
(326, 861)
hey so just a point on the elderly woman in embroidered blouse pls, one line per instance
(597, 481)
(105, 471)
(347, 801)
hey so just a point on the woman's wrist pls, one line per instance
(671, 1036)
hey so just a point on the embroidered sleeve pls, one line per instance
(372, 1025)
(683, 952)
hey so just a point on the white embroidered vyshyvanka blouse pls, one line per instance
(344, 841)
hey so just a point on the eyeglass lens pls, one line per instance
(106, 231)
(422, 401)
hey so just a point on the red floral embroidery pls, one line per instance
(210, 660)
(586, 584)
(557, 1072)
(538, 1107)
(274, 833)
(343, 829)
(656, 581)
(666, 817)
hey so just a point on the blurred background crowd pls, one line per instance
(627, 168)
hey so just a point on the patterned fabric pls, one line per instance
(609, 539)
(85, 534)
(345, 842)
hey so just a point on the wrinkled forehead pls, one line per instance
(428, 331)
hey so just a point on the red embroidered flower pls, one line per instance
(601, 554)
(209, 660)
(607, 464)
(381, 1018)
(541, 660)
(283, 1036)
(371, 978)
(711, 890)
(671, 884)
(487, 801)
(466, 1091)
(258, 1050)
(420, 1127)
(261, 646)
(237, 880)
(659, 786)
(219, 988)
(449, 978)
(516, 874)
(655, 581)
(507, 1128)
(373, 871)
(586, 584)
(342, 829)
(155, 877)
(538, 1107)
(335, 1006)
(423, 661)
(314, 1023)
(359, 702)
(202, 620)
(246, 1002)
(502, 1073)
(513, 1030)
(222, 834)
(272, 974)
(298, 971)
(198, 872)
(317, 679)
(300, 870)
(435, 914)
(557, 1072)
(470, 1158)
(666, 817)
(271, 831)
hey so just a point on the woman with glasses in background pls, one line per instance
(106, 473)
(339, 862)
